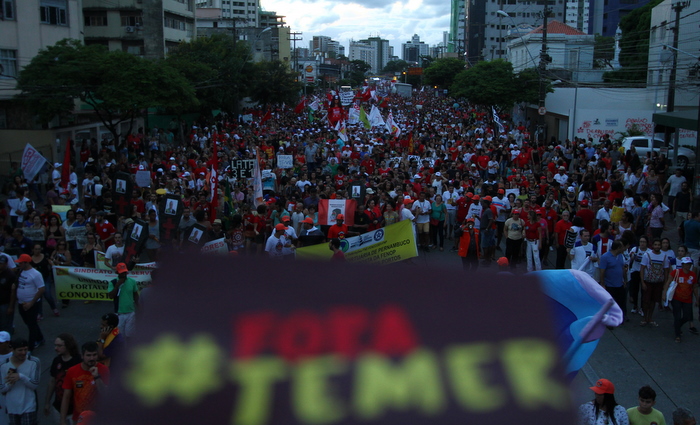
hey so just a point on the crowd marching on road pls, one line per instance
(474, 184)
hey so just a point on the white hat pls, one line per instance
(56, 165)
(370, 191)
(160, 170)
(686, 260)
(95, 179)
(186, 174)
(438, 174)
(173, 168)
(570, 189)
(141, 168)
(4, 337)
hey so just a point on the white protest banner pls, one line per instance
(32, 162)
(34, 235)
(285, 161)
(81, 283)
(77, 234)
(515, 192)
(143, 178)
(218, 247)
(346, 97)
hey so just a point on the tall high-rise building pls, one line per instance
(323, 44)
(245, 13)
(458, 25)
(414, 50)
(577, 14)
(374, 50)
(359, 50)
(487, 30)
(146, 28)
(605, 15)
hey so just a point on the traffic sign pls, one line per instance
(542, 110)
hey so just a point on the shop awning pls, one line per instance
(687, 119)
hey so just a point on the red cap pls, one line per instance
(308, 220)
(501, 191)
(603, 386)
(487, 198)
(584, 202)
(280, 227)
(121, 268)
(469, 195)
(407, 201)
(543, 178)
(476, 198)
(24, 258)
(286, 218)
(539, 211)
(503, 262)
(340, 217)
(516, 211)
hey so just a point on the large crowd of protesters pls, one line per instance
(478, 188)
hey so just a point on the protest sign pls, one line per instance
(169, 215)
(218, 247)
(329, 209)
(77, 234)
(134, 239)
(285, 161)
(389, 244)
(317, 345)
(34, 235)
(32, 162)
(242, 168)
(123, 187)
(82, 283)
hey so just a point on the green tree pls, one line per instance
(274, 82)
(115, 84)
(395, 66)
(603, 51)
(494, 83)
(634, 46)
(219, 68)
(442, 72)
(358, 71)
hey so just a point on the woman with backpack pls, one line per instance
(653, 273)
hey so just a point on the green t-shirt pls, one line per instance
(126, 295)
(638, 418)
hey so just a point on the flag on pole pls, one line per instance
(266, 117)
(300, 106)
(391, 125)
(342, 131)
(364, 119)
(214, 181)
(375, 117)
(257, 182)
(314, 105)
(354, 114)
(498, 120)
(65, 171)
(32, 162)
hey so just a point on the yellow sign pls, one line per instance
(389, 244)
(309, 69)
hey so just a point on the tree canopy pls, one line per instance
(395, 66)
(273, 82)
(358, 71)
(442, 72)
(115, 84)
(634, 46)
(494, 83)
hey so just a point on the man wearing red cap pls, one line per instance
(278, 244)
(125, 293)
(29, 289)
(310, 235)
(587, 215)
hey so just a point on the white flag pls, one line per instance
(314, 105)
(32, 162)
(354, 114)
(375, 117)
(257, 183)
(391, 125)
(498, 120)
(342, 131)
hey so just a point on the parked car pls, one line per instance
(644, 145)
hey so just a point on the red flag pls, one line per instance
(300, 107)
(266, 117)
(65, 172)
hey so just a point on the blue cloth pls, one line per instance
(613, 266)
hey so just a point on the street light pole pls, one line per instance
(544, 60)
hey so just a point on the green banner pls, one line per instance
(389, 244)
(81, 283)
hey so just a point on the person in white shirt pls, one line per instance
(422, 209)
(561, 177)
(115, 252)
(56, 177)
(674, 183)
(503, 207)
(583, 254)
(450, 197)
(603, 213)
(29, 289)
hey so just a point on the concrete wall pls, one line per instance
(12, 143)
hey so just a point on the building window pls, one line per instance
(95, 19)
(54, 12)
(7, 10)
(8, 60)
(131, 19)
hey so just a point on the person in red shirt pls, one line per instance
(560, 230)
(338, 254)
(587, 215)
(534, 233)
(682, 302)
(105, 230)
(339, 230)
(83, 383)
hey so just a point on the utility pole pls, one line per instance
(293, 38)
(671, 100)
(544, 60)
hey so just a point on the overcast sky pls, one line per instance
(359, 19)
